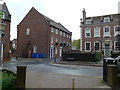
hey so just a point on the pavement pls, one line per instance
(59, 61)
(50, 80)
(96, 64)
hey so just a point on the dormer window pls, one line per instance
(106, 19)
(88, 21)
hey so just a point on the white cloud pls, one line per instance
(68, 12)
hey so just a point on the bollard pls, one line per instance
(73, 84)
(55, 60)
(112, 76)
(21, 77)
(16, 57)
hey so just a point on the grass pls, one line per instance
(8, 80)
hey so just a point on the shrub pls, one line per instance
(8, 79)
(98, 56)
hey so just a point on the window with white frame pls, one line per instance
(56, 40)
(35, 49)
(116, 30)
(67, 43)
(61, 33)
(88, 21)
(51, 39)
(67, 35)
(60, 41)
(97, 32)
(116, 47)
(106, 19)
(64, 34)
(106, 31)
(87, 32)
(97, 46)
(28, 31)
(56, 31)
(52, 29)
(87, 46)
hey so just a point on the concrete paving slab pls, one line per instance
(49, 80)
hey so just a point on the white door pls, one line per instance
(51, 52)
(60, 53)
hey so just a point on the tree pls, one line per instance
(76, 43)
(1, 14)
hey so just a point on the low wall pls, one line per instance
(78, 56)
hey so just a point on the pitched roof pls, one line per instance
(57, 25)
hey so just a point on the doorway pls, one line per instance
(51, 52)
(107, 50)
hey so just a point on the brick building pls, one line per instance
(6, 18)
(39, 34)
(99, 33)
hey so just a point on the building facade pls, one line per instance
(99, 33)
(39, 34)
(6, 18)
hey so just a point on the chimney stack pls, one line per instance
(84, 15)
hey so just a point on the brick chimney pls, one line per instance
(84, 15)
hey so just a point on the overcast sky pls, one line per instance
(67, 12)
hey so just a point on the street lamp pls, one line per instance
(2, 28)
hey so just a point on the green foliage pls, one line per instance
(13, 49)
(1, 14)
(8, 80)
(98, 56)
(76, 43)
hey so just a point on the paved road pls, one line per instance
(46, 66)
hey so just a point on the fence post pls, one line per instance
(73, 82)
(112, 76)
(21, 77)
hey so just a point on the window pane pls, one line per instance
(106, 19)
(35, 49)
(97, 46)
(117, 47)
(28, 31)
(87, 32)
(52, 29)
(56, 31)
(96, 32)
(106, 31)
(117, 30)
(51, 39)
(87, 46)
